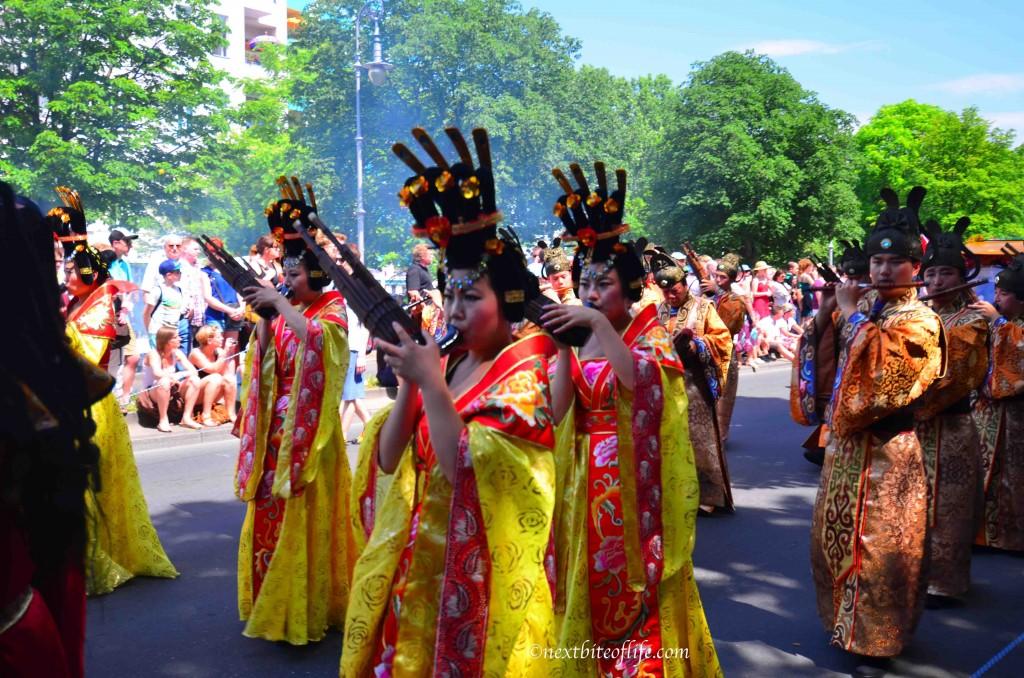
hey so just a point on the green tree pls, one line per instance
(225, 189)
(755, 162)
(108, 96)
(475, 63)
(967, 165)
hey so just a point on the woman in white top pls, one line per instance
(167, 372)
(355, 388)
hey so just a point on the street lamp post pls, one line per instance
(377, 72)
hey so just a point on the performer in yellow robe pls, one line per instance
(704, 345)
(1000, 414)
(869, 526)
(122, 541)
(945, 427)
(629, 491)
(453, 578)
(295, 553)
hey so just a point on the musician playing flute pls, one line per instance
(945, 425)
(454, 578)
(733, 310)
(295, 553)
(814, 369)
(869, 526)
(122, 540)
(1000, 413)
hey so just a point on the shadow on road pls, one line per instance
(753, 570)
(189, 626)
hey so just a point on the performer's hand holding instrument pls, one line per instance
(238, 274)
(698, 269)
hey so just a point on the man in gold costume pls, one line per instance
(869, 527)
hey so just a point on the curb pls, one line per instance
(180, 438)
(147, 439)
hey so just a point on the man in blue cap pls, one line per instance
(165, 302)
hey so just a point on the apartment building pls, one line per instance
(251, 24)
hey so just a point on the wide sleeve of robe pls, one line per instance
(660, 491)
(885, 366)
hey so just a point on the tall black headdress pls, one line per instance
(67, 222)
(281, 218)
(593, 219)
(454, 207)
(1011, 278)
(853, 260)
(947, 248)
(897, 229)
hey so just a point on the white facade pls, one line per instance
(249, 20)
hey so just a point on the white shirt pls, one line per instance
(358, 335)
(768, 329)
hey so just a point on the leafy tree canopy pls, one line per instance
(967, 165)
(111, 97)
(754, 162)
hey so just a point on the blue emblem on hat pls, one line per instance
(886, 243)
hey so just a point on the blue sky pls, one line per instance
(856, 55)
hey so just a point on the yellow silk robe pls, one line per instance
(949, 440)
(1000, 417)
(296, 552)
(870, 517)
(711, 338)
(454, 574)
(122, 540)
(626, 518)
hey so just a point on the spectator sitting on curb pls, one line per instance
(214, 360)
(170, 384)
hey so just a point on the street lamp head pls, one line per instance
(378, 73)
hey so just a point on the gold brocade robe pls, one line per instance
(626, 518)
(295, 552)
(457, 576)
(122, 540)
(710, 352)
(1000, 417)
(814, 372)
(732, 310)
(869, 525)
(949, 440)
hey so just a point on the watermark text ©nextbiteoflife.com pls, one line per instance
(630, 651)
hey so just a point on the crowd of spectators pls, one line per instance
(186, 325)
(187, 337)
(777, 299)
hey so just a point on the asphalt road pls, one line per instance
(752, 569)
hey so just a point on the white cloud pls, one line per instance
(784, 48)
(984, 83)
(1008, 120)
